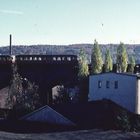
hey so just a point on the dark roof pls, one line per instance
(95, 114)
(125, 74)
(87, 115)
(47, 114)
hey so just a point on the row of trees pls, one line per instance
(121, 60)
(97, 63)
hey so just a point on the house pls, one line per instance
(121, 88)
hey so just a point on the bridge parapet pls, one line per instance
(46, 71)
(46, 58)
(5, 59)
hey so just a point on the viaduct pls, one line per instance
(46, 71)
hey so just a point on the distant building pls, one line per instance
(122, 88)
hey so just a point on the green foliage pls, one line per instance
(83, 76)
(127, 121)
(96, 59)
(132, 64)
(123, 121)
(22, 95)
(108, 62)
(122, 58)
(83, 65)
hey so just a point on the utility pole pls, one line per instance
(10, 47)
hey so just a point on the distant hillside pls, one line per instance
(70, 49)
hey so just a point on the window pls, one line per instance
(107, 84)
(116, 85)
(99, 84)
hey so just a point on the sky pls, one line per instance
(63, 22)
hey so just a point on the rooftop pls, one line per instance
(125, 74)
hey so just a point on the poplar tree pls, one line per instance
(122, 58)
(83, 76)
(96, 59)
(108, 62)
(132, 64)
(83, 65)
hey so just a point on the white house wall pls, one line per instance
(138, 98)
(124, 95)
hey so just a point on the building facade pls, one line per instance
(121, 88)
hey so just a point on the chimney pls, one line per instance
(10, 47)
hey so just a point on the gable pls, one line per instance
(47, 114)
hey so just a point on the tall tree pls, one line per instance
(132, 64)
(22, 93)
(122, 58)
(83, 76)
(96, 59)
(108, 61)
(83, 65)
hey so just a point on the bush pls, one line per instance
(123, 121)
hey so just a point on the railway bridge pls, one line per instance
(46, 71)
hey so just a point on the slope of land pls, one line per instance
(133, 49)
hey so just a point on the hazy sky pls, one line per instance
(69, 21)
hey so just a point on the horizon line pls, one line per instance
(69, 44)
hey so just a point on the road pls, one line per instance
(73, 135)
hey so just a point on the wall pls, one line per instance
(138, 97)
(5, 74)
(124, 95)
